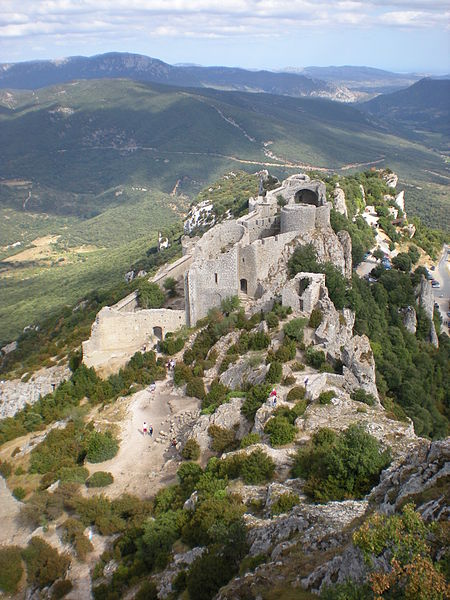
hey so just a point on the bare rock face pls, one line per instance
(425, 297)
(391, 180)
(346, 243)
(336, 329)
(282, 457)
(410, 319)
(242, 371)
(327, 246)
(400, 200)
(359, 364)
(339, 200)
(180, 562)
(227, 416)
(15, 393)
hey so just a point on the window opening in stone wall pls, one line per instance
(244, 286)
(157, 332)
(215, 277)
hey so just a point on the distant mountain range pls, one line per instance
(346, 84)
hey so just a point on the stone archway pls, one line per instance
(243, 286)
(306, 197)
(158, 333)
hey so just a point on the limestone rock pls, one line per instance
(264, 413)
(410, 319)
(282, 457)
(346, 243)
(8, 348)
(327, 246)
(14, 393)
(336, 329)
(400, 200)
(425, 298)
(180, 562)
(359, 364)
(363, 193)
(339, 200)
(242, 371)
(227, 416)
(391, 180)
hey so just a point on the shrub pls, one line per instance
(74, 534)
(280, 430)
(256, 396)
(250, 439)
(147, 591)
(361, 395)
(99, 479)
(296, 393)
(258, 341)
(326, 397)
(191, 450)
(315, 318)
(272, 320)
(19, 471)
(101, 447)
(208, 574)
(196, 388)
(19, 493)
(288, 380)
(257, 467)
(181, 373)
(224, 440)
(315, 358)
(44, 564)
(61, 588)
(150, 294)
(11, 569)
(171, 345)
(286, 351)
(284, 503)
(299, 408)
(298, 366)
(73, 474)
(340, 466)
(294, 329)
(5, 469)
(275, 372)
(216, 396)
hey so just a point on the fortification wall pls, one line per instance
(260, 225)
(208, 282)
(218, 240)
(117, 335)
(127, 304)
(298, 217)
(302, 293)
(175, 269)
(323, 216)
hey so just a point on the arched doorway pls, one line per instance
(157, 332)
(306, 197)
(244, 286)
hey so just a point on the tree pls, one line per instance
(169, 285)
(402, 262)
(150, 294)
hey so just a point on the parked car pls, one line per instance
(433, 267)
(435, 284)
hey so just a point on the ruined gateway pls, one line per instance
(246, 257)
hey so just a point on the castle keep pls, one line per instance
(246, 256)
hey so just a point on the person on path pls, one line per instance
(150, 431)
(144, 428)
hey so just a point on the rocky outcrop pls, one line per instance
(227, 416)
(243, 371)
(391, 180)
(400, 200)
(180, 562)
(200, 216)
(329, 248)
(346, 243)
(15, 393)
(264, 413)
(336, 329)
(282, 457)
(339, 200)
(359, 364)
(410, 319)
(425, 298)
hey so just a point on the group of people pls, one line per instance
(171, 364)
(147, 429)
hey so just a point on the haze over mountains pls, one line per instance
(346, 84)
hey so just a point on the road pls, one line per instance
(442, 274)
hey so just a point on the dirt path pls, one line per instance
(144, 464)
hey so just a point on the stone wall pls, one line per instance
(302, 293)
(175, 269)
(116, 335)
(298, 217)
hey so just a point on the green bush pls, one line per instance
(74, 534)
(258, 341)
(208, 574)
(326, 397)
(284, 503)
(99, 479)
(224, 440)
(257, 468)
(275, 372)
(150, 295)
(315, 318)
(286, 351)
(61, 588)
(101, 447)
(298, 366)
(191, 450)
(296, 393)
(19, 493)
(171, 345)
(272, 320)
(73, 474)
(315, 358)
(196, 388)
(256, 397)
(288, 380)
(11, 570)
(294, 329)
(44, 564)
(181, 374)
(250, 439)
(5, 469)
(281, 431)
(19, 471)
(147, 591)
(361, 395)
(340, 466)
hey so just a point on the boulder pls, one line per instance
(410, 319)
(346, 243)
(336, 328)
(425, 298)
(359, 365)
(339, 200)
(227, 416)
(243, 371)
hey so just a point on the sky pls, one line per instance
(397, 35)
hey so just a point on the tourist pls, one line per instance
(150, 431)
(144, 428)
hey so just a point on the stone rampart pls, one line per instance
(298, 217)
(175, 269)
(302, 293)
(116, 335)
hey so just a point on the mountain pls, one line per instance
(362, 79)
(42, 73)
(425, 105)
